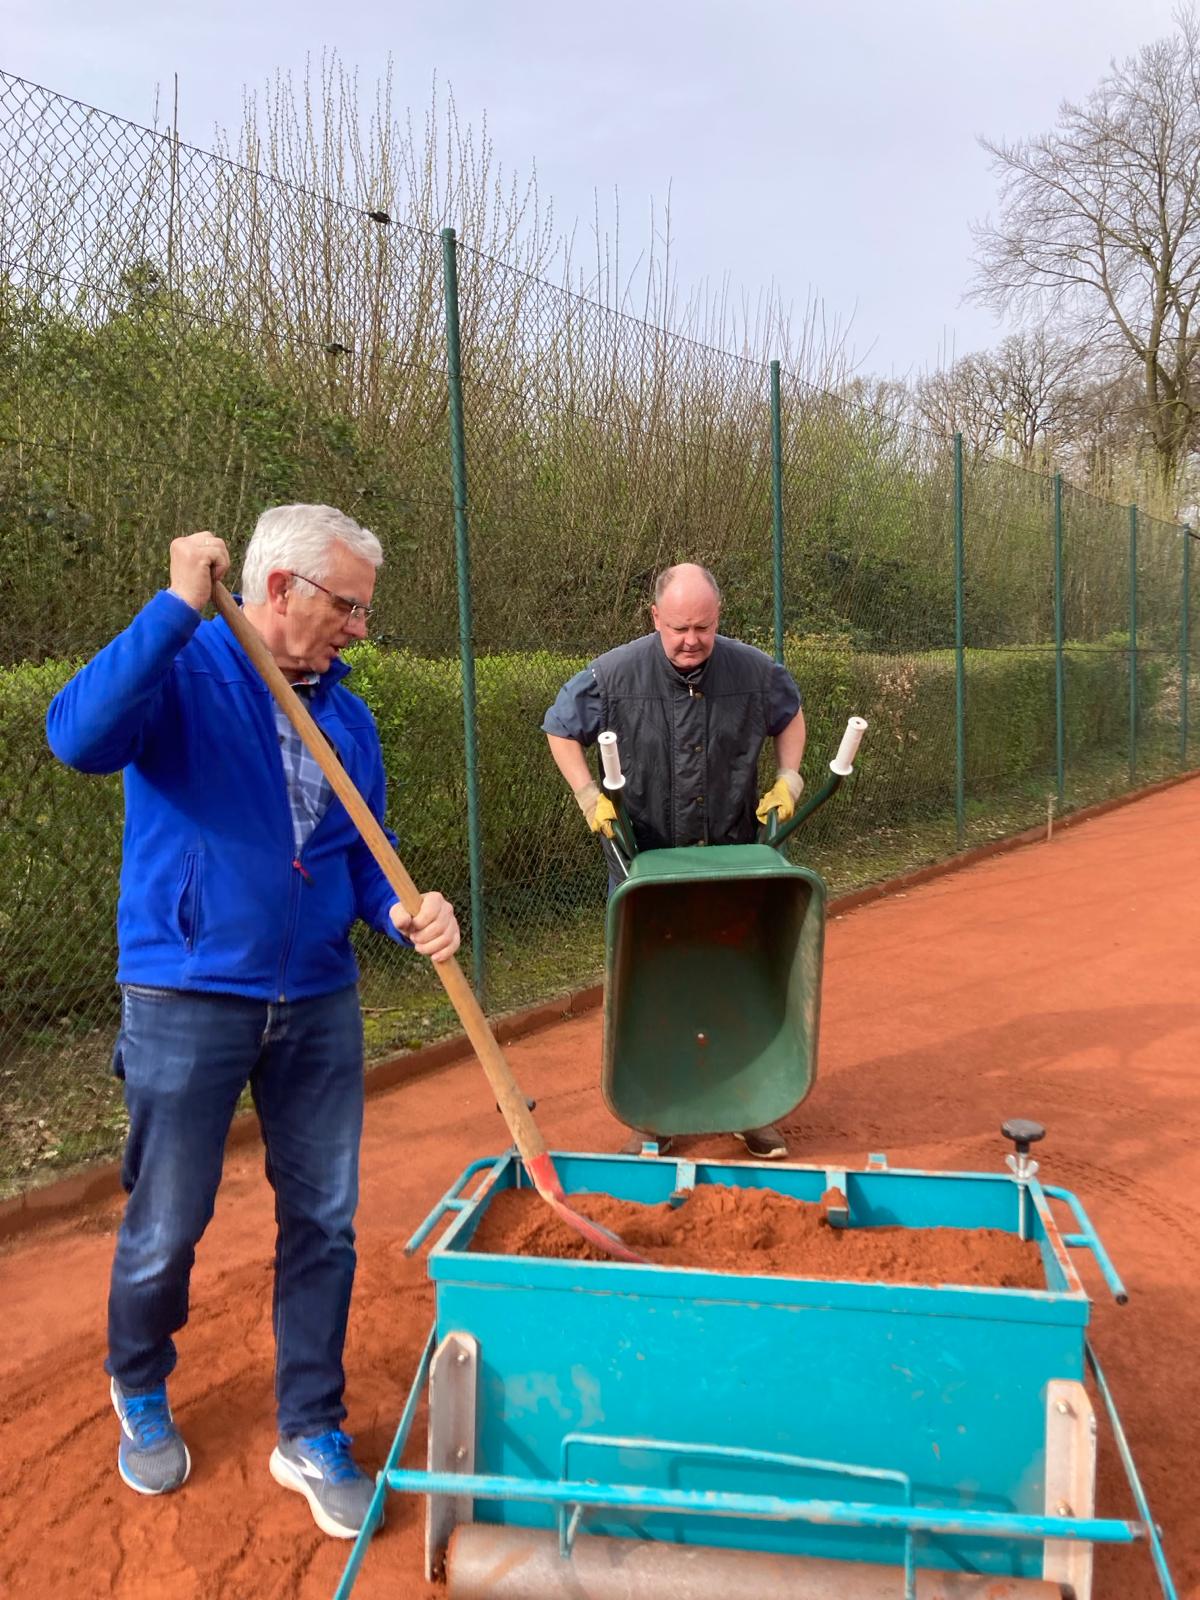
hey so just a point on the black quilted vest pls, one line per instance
(689, 752)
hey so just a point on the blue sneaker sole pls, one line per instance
(134, 1483)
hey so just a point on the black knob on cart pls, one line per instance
(1023, 1133)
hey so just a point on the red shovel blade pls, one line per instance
(548, 1184)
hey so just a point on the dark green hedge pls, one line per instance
(60, 831)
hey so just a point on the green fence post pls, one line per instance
(462, 551)
(777, 506)
(960, 671)
(1185, 648)
(1133, 648)
(1060, 699)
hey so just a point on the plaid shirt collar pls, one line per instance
(309, 790)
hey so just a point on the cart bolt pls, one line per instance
(461, 1453)
(1062, 1509)
(461, 1358)
(701, 1038)
(1062, 1408)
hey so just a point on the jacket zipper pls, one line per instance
(300, 875)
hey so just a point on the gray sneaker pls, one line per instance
(152, 1458)
(320, 1467)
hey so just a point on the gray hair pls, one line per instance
(298, 539)
(663, 581)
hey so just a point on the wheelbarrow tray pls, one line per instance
(713, 989)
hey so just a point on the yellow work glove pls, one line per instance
(781, 796)
(597, 808)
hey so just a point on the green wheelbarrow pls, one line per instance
(713, 975)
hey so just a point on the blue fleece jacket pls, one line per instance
(213, 896)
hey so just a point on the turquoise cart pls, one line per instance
(600, 1430)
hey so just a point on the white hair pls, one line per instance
(298, 539)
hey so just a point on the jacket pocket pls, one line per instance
(187, 907)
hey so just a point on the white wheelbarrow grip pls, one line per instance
(610, 760)
(843, 762)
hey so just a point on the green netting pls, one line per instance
(184, 341)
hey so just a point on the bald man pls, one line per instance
(692, 710)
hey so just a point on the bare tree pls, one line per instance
(1100, 226)
(886, 404)
(1107, 437)
(956, 399)
(1035, 383)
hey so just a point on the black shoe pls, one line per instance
(633, 1145)
(764, 1144)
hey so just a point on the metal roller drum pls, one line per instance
(485, 1562)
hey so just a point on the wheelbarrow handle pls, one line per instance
(775, 832)
(842, 765)
(843, 762)
(614, 787)
(610, 760)
(511, 1101)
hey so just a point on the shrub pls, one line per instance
(60, 830)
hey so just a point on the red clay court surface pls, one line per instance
(1057, 982)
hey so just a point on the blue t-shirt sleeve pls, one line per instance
(576, 712)
(784, 701)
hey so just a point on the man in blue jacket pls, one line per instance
(240, 879)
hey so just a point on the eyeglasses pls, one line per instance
(352, 609)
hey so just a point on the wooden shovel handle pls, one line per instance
(525, 1132)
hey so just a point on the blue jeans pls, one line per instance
(185, 1059)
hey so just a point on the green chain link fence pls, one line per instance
(184, 341)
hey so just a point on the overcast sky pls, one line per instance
(830, 147)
